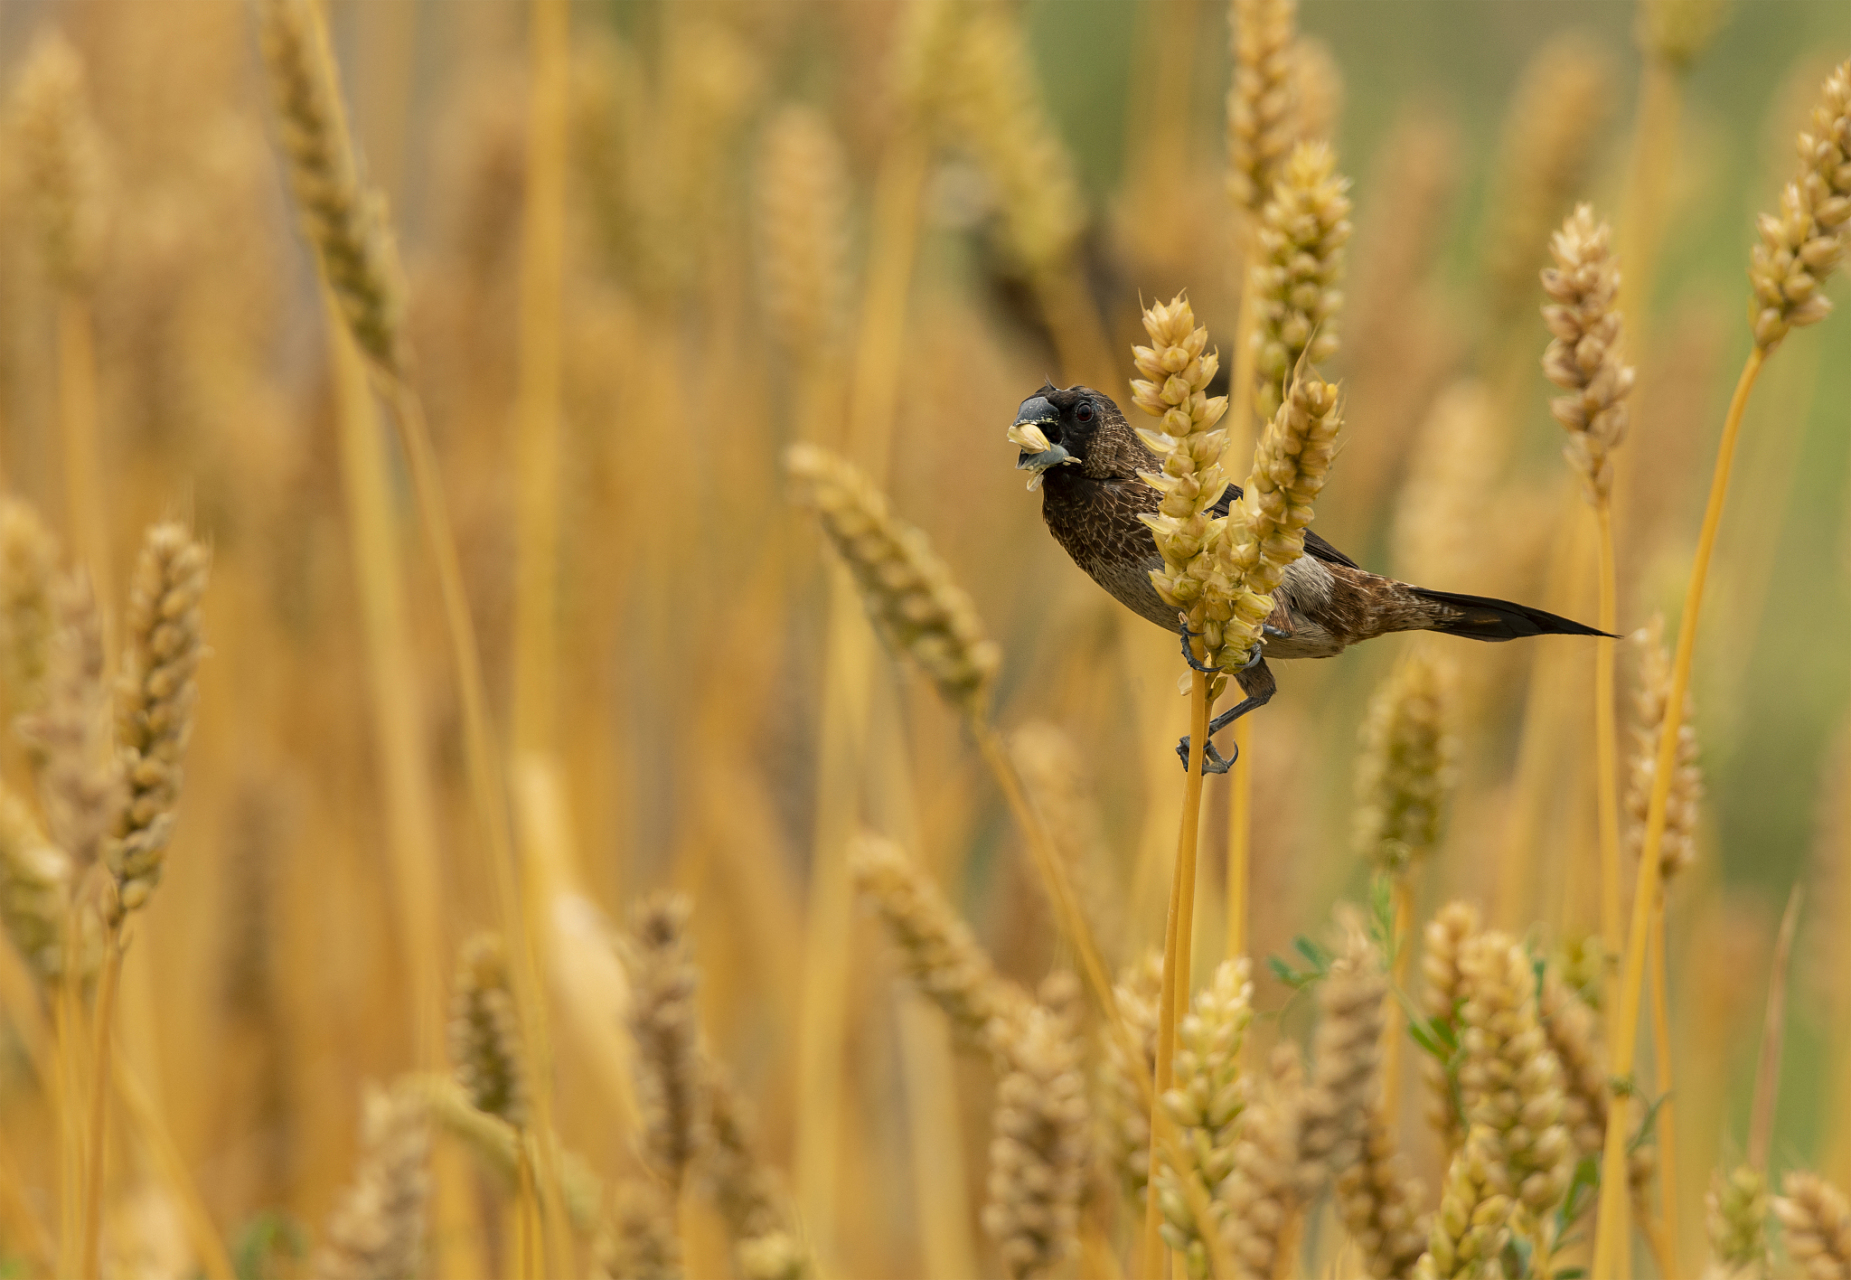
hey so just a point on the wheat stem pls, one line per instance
(1665, 1123)
(397, 715)
(1612, 1234)
(1176, 945)
(533, 718)
(99, 1103)
(1606, 749)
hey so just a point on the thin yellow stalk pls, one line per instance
(848, 659)
(1176, 943)
(207, 1247)
(1240, 445)
(880, 350)
(83, 486)
(1612, 1237)
(67, 1024)
(1403, 896)
(483, 766)
(537, 398)
(1606, 750)
(1665, 1123)
(99, 1104)
(398, 717)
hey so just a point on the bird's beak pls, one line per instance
(1038, 455)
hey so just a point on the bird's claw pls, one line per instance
(1271, 632)
(1212, 761)
(1189, 654)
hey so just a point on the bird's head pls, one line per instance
(1074, 426)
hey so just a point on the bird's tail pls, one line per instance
(1482, 618)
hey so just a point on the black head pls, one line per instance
(1075, 426)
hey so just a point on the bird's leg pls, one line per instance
(1188, 653)
(1256, 681)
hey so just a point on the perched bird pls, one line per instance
(1086, 458)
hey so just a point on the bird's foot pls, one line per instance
(1271, 632)
(1189, 654)
(1211, 758)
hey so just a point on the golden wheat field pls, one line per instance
(545, 737)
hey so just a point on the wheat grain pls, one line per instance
(28, 566)
(155, 699)
(1378, 1198)
(907, 589)
(1262, 115)
(344, 219)
(1447, 934)
(670, 1086)
(766, 1245)
(1817, 1222)
(802, 210)
(1736, 1210)
(376, 1230)
(35, 889)
(1206, 1102)
(57, 152)
(1261, 1193)
(1405, 771)
(1804, 243)
(1472, 1227)
(1584, 356)
(1040, 1146)
(80, 781)
(1299, 241)
(638, 1242)
(1174, 391)
(1679, 848)
(936, 947)
(485, 1033)
(1126, 1118)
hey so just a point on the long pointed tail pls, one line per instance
(1482, 618)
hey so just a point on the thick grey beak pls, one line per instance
(1038, 455)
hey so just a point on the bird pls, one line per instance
(1086, 459)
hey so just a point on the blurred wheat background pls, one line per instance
(560, 854)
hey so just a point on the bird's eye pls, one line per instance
(1084, 413)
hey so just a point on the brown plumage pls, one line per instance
(1093, 502)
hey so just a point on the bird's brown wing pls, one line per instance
(1315, 546)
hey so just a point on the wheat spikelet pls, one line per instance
(1817, 1223)
(1262, 110)
(1583, 358)
(802, 212)
(1805, 242)
(1378, 1198)
(908, 591)
(766, 1245)
(1318, 82)
(155, 698)
(1473, 1223)
(1346, 1067)
(1261, 1193)
(994, 110)
(638, 1241)
(1138, 991)
(1447, 935)
(485, 1033)
(670, 1086)
(80, 781)
(1679, 848)
(1054, 773)
(1266, 528)
(57, 154)
(1574, 1038)
(28, 566)
(1549, 136)
(1206, 1102)
(342, 218)
(1040, 1147)
(1303, 227)
(936, 947)
(376, 1230)
(35, 889)
(1678, 30)
(1174, 391)
(1735, 1215)
(1405, 771)
(1510, 1080)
